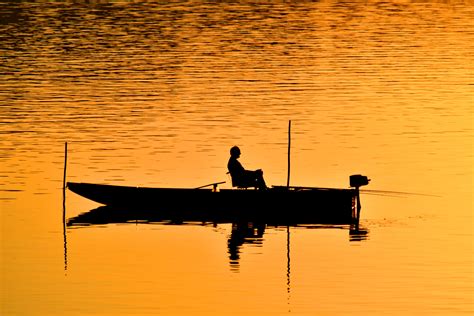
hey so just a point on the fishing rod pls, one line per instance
(394, 193)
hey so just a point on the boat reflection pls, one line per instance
(243, 231)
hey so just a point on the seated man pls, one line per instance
(240, 176)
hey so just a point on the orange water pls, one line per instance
(155, 94)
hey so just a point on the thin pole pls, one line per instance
(64, 235)
(288, 259)
(65, 167)
(64, 207)
(288, 267)
(289, 151)
(288, 264)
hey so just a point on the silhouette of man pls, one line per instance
(243, 232)
(242, 177)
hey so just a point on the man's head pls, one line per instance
(235, 152)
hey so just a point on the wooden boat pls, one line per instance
(277, 204)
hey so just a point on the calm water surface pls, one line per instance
(155, 94)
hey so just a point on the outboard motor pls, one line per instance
(356, 181)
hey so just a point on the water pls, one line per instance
(155, 94)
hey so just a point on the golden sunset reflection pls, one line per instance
(154, 94)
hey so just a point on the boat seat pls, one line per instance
(241, 184)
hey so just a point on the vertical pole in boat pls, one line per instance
(289, 151)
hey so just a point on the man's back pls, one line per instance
(240, 176)
(235, 168)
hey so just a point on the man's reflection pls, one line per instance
(243, 232)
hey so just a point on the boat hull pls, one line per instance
(279, 204)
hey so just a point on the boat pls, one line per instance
(277, 204)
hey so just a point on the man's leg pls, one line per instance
(259, 179)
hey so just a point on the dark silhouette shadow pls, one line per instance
(241, 177)
(278, 205)
(243, 233)
(64, 231)
(110, 215)
(358, 233)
